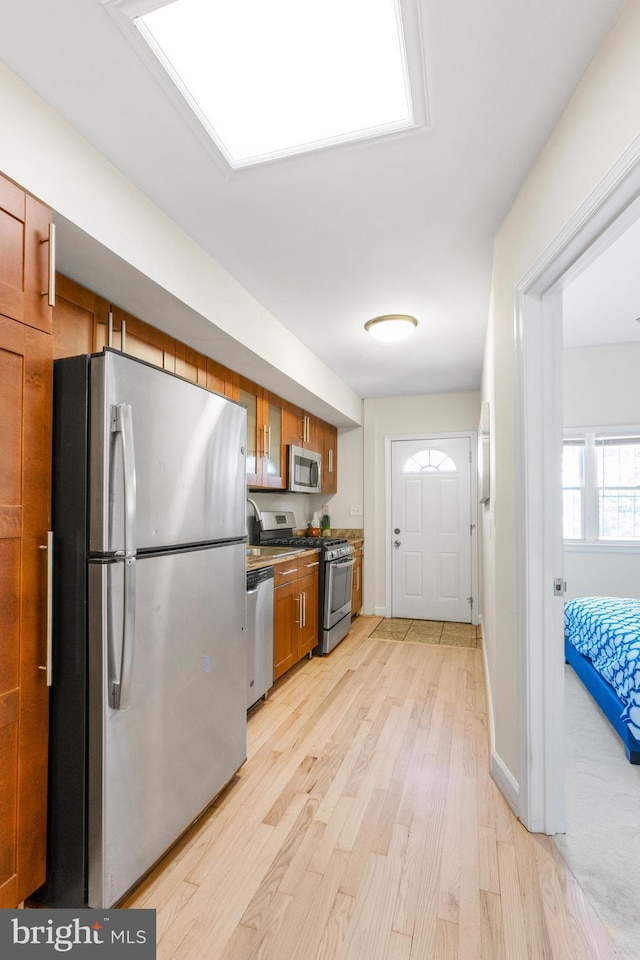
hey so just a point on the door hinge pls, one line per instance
(559, 587)
(470, 601)
(472, 527)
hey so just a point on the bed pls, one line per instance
(602, 644)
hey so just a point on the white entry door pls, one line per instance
(431, 529)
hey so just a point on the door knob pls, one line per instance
(396, 544)
(397, 530)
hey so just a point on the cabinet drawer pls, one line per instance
(285, 572)
(307, 565)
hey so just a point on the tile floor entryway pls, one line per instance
(427, 631)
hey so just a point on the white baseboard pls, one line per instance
(487, 685)
(500, 773)
(380, 612)
(505, 782)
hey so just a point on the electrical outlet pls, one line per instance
(355, 509)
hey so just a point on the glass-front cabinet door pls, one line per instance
(274, 465)
(250, 396)
(266, 449)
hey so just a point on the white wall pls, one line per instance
(600, 122)
(397, 417)
(592, 572)
(350, 480)
(601, 385)
(602, 388)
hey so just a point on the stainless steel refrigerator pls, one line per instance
(148, 701)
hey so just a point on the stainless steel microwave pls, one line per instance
(304, 470)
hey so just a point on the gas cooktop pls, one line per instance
(305, 541)
(277, 529)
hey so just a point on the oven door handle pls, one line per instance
(341, 563)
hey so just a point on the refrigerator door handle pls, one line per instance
(120, 666)
(123, 424)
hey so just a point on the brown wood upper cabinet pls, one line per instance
(25, 517)
(27, 275)
(266, 447)
(222, 380)
(77, 316)
(303, 429)
(329, 435)
(80, 325)
(143, 341)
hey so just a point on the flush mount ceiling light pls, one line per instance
(391, 326)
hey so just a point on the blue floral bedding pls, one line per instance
(607, 631)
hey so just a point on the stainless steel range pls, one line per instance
(336, 563)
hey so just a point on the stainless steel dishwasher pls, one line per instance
(259, 633)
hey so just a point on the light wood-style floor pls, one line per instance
(365, 826)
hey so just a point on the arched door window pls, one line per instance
(429, 461)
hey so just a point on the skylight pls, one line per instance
(269, 78)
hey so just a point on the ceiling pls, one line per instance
(326, 240)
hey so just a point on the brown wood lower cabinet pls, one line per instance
(25, 498)
(295, 611)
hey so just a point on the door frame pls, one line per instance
(605, 214)
(472, 436)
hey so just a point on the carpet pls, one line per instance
(426, 631)
(602, 842)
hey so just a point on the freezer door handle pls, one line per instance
(120, 661)
(122, 424)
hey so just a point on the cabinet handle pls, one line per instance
(304, 609)
(299, 600)
(264, 439)
(48, 546)
(330, 461)
(110, 329)
(316, 564)
(123, 336)
(269, 443)
(284, 572)
(51, 240)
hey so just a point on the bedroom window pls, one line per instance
(618, 484)
(601, 488)
(573, 489)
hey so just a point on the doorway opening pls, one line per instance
(605, 216)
